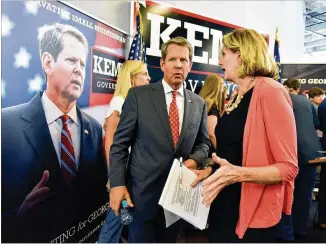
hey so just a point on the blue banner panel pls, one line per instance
(38, 203)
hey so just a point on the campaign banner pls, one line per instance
(310, 75)
(23, 23)
(105, 67)
(39, 205)
(162, 22)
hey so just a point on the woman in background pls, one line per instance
(256, 147)
(131, 74)
(214, 93)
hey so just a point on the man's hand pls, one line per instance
(226, 175)
(108, 187)
(39, 193)
(190, 164)
(202, 175)
(117, 194)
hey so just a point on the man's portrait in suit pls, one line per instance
(161, 122)
(53, 168)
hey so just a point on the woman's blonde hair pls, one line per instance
(213, 92)
(253, 50)
(127, 69)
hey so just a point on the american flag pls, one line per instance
(277, 56)
(138, 48)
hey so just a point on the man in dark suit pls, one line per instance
(322, 178)
(160, 122)
(308, 145)
(53, 168)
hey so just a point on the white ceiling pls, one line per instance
(315, 27)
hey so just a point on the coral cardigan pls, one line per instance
(269, 139)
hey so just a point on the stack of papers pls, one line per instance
(181, 200)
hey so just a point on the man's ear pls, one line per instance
(190, 66)
(132, 80)
(162, 64)
(47, 63)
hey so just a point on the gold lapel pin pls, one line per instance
(86, 132)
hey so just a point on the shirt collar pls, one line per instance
(52, 112)
(167, 88)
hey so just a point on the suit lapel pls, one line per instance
(85, 144)
(37, 132)
(158, 99)
(188, 111)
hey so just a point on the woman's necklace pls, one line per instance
(233, 105)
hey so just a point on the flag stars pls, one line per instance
(6, 26)
(138, 51)
(31, 7)
(22, 58)
(3, 88)
(35, 84)
(41, 30)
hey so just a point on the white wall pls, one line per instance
(263, 16)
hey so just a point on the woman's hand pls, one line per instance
(226, 175)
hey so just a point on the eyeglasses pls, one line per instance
(143, 73)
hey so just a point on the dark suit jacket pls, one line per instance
(322, 121)
(28, 150)
(315, 116)
(308, 142)
(144, 125)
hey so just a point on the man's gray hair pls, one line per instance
(52, 39)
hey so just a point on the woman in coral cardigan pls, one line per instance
(256, 147)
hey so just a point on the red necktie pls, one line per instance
(68, 160)
(174, 118)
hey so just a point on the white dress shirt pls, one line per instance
(180, 101)
(115, 105)
(52, 115)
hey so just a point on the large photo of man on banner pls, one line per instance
(53, 166)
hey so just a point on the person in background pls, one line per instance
(293, 86)
(132, 73)
(322, 178)
(213, 92)
(296, 225)
(316, 96)
(256, 147)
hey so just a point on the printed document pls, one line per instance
(180, 199)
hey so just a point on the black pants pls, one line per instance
(226, 233)
(322, 196)
(224, 216)
(303, 187)
(153, 230)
